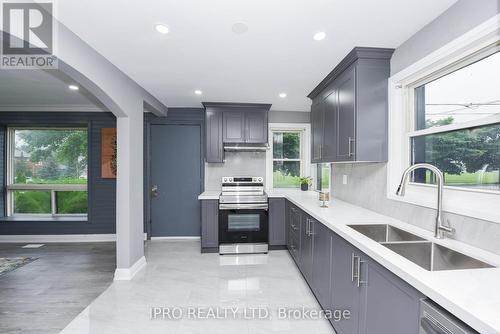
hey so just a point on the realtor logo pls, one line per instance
(28, 35)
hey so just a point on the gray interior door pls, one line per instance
(176, 173)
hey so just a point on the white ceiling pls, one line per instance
(276, 54)
(37, 90)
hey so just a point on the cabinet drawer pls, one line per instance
(294, 230)
(294, 248)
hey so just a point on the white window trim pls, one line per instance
(305, 147)
(53, 188)
(480, 204)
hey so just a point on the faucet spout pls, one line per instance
(440, 229)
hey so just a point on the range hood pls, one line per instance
(246, 147)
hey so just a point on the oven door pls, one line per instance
(239, 223)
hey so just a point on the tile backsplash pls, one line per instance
(236, 164)
(366, 187)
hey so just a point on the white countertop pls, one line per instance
(210, 194)
(471, 295)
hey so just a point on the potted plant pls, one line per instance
(305, 181)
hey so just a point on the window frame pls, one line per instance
(305, 166)
(476, 44)
(53, 188)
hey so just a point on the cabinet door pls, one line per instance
(256, 127)
(234, 126)
(277, 228)
(214, 147)
(322, 253)
(345, 294)
(294, 233)
(346, 115)
(316, 130)
(329, 142)
(306, 247)
(209, 223)
(386, 295)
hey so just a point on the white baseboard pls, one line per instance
(126, 274)
(47, 238)
(176, 238)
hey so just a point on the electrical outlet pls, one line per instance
(344, 179)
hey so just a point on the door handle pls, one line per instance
(353, 264)
(351, 151)
(154, 191)
(358, 276)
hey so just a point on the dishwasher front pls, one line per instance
(436, 320)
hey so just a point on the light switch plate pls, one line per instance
(344, 179)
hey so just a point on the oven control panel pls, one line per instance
(254, 179)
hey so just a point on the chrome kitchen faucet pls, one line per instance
(440, 229)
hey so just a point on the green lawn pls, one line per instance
(285, 181)
(476, 178)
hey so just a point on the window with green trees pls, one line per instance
(47, 171)
(457, 126)
(287, 159)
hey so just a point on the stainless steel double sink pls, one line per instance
(426, 254)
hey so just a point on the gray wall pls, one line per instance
(102, 192)
(367, 182)
(458, 19)
(289, 116)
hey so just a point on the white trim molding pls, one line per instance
(126, 274)
(305, 148)
(472, 203)
(175, 238)
(59, 238)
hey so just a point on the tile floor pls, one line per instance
(179, 276)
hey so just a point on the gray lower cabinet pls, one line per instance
(379, 301)
(344, 278)
(321, 270)
(209, 225)
(344, 293)
(388, 304)
(277, 226)
(306, 247)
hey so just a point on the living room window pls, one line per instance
(47, 171)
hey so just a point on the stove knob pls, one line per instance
(225, 179)
(230, 179)
(259, 179)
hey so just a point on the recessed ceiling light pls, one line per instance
(319, 36)
(198, 92)
(161, 28)
(282, 95)
(73, 87)
(239, 28)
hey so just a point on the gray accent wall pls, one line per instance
(458, 19)
(102, 192)
(367, 182)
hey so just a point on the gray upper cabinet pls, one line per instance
(234, 123)
(256, 127)
(214, 151)
(277, 227)
(234, 126)
(353, 104)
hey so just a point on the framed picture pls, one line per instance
(108, 153)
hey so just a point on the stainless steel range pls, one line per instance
(243, 216)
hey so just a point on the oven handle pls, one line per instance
(243, 206)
